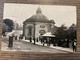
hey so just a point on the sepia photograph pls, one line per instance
(39, 28)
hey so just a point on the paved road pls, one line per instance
(29, 47)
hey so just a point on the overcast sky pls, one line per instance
(60, 14)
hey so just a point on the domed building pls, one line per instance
(38, 24)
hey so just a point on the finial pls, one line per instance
(39, 10)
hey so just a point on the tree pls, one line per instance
(9, 23)
(4, 28)
(61, 34)
(72, 32)
(66, 34)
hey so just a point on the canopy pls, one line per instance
(48, 34)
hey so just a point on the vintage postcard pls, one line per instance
(39, 28)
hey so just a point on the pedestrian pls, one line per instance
(37, 39)
(48, 42)
(19, 37)
(15, 37)
(30, 39)
(74, 46)
(44, 41)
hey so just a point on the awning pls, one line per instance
(48, 34)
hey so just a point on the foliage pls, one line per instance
(65, 35)
(8, 25)
(61, 32)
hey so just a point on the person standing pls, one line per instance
(43, 41)
(48, 42)
(74, 46)
(30, 39)
(15, 37)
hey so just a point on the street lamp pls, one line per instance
(34, 33)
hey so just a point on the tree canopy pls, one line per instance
(63, 32)
(8, 23)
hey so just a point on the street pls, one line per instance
(27, 46)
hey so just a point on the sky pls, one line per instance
(60, 14)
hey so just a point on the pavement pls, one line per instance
(51, 46)
(26, 45)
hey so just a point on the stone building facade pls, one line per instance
(38, 24)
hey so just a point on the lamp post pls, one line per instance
(34, 33)
(10, 45)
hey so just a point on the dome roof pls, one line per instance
(38, 17)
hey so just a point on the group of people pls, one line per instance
(43, 40)
(49, 41)
(15, 37)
